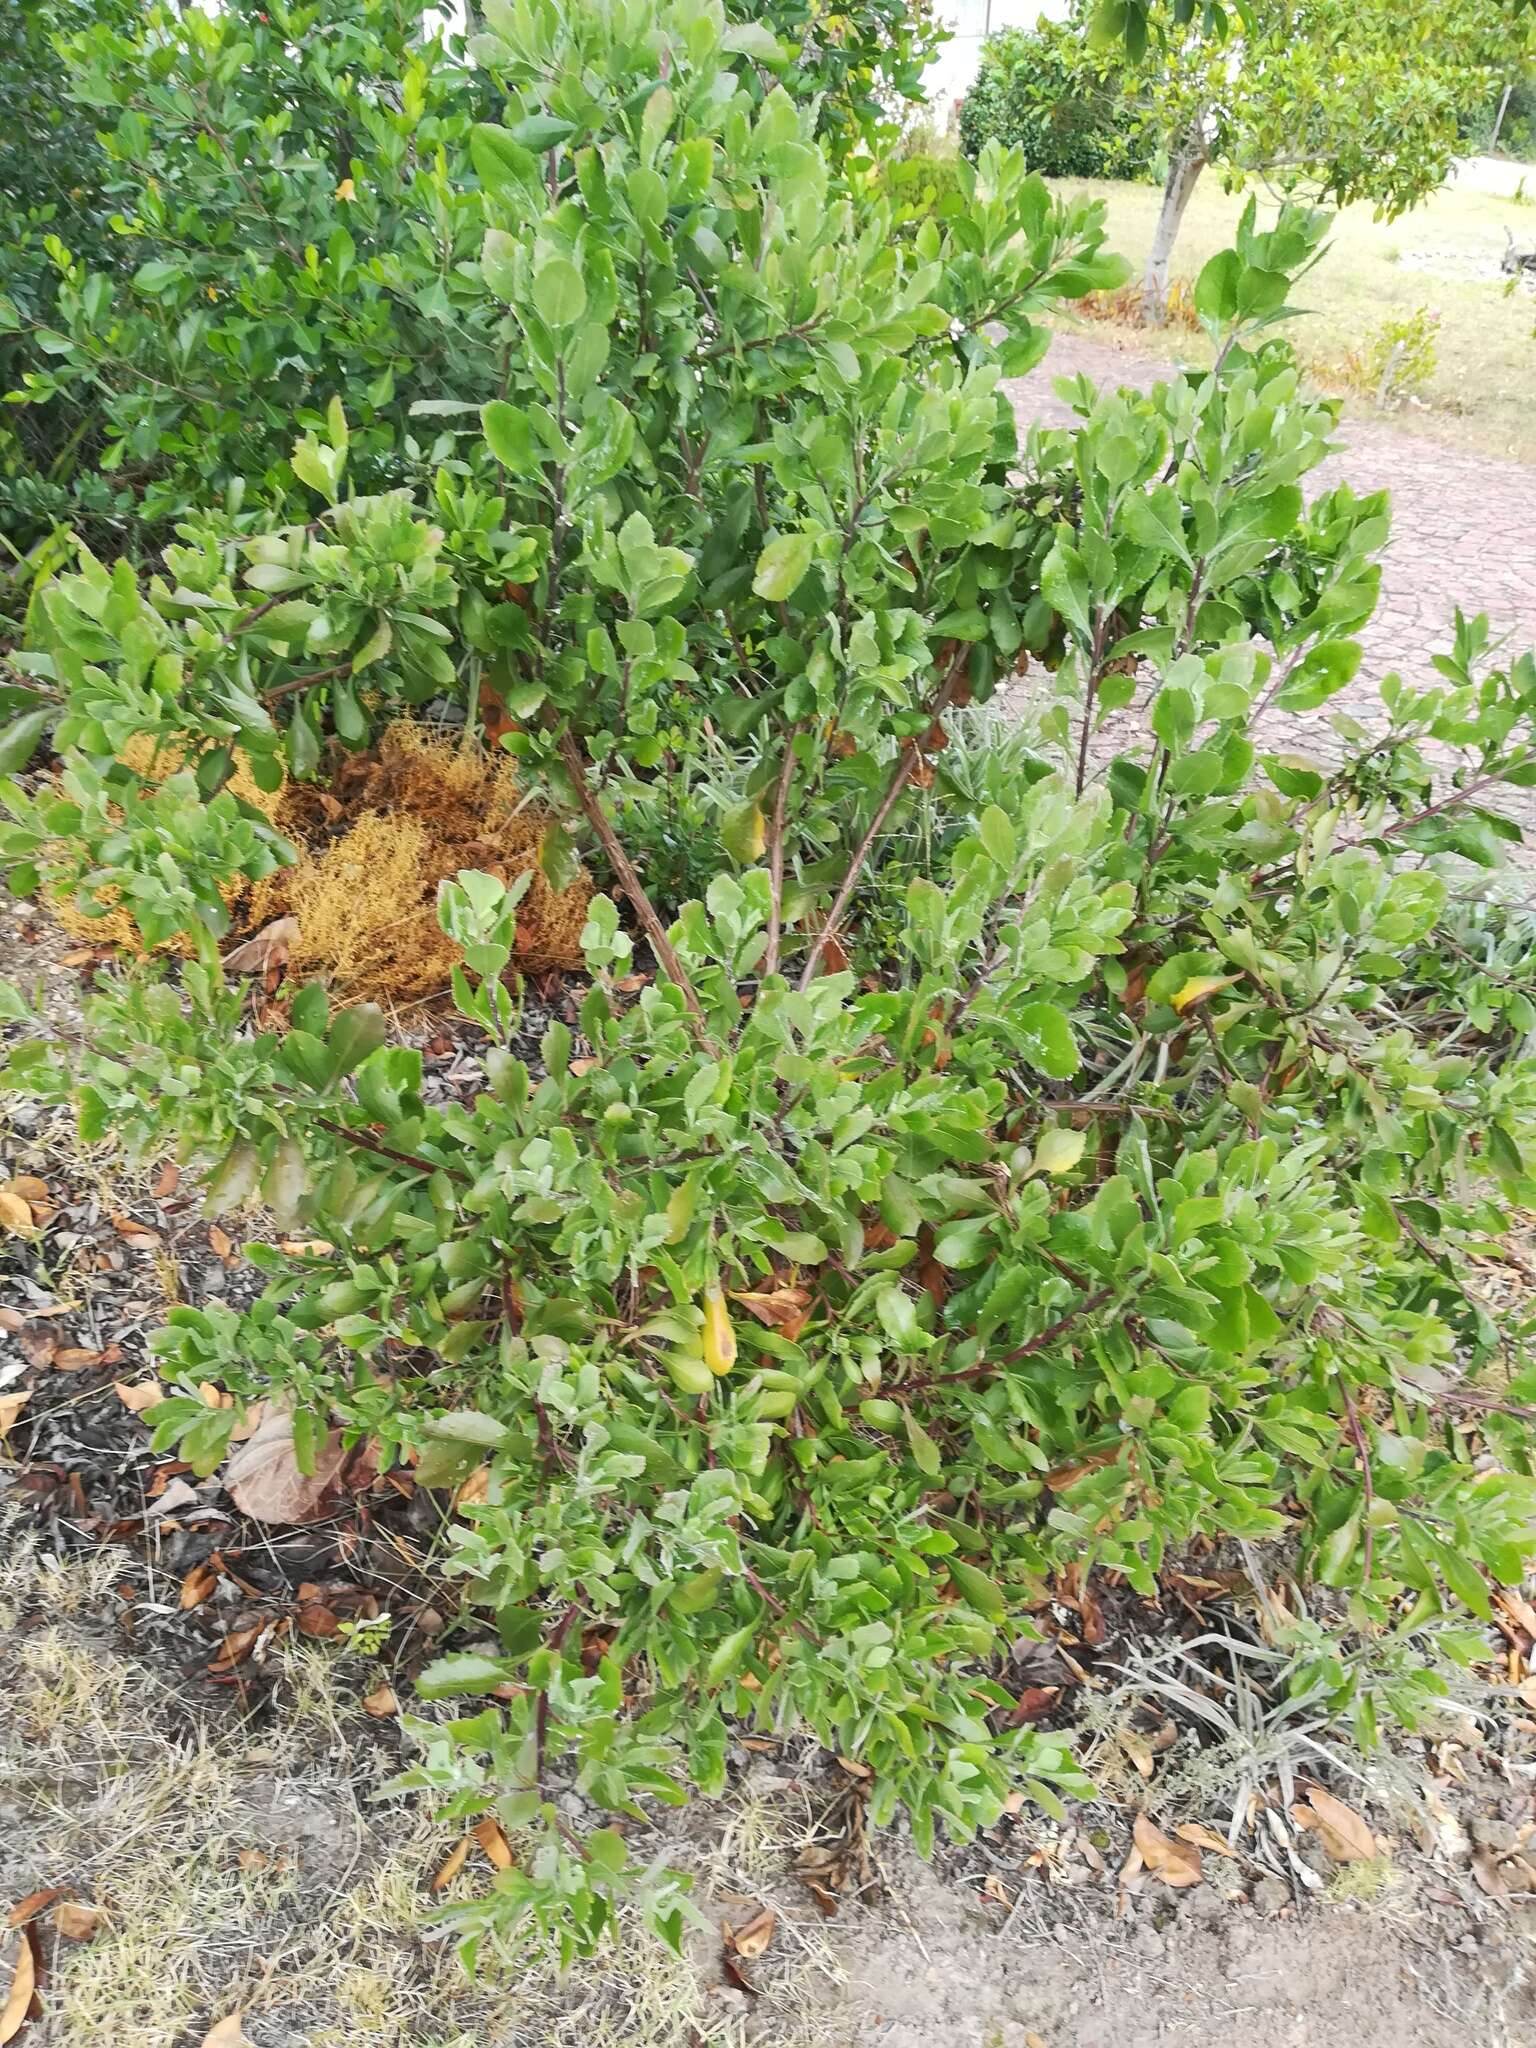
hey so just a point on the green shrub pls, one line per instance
(261, 227)
(920, 184)
(1071, 107)
(808, 1320)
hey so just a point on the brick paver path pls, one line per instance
(1463, 532)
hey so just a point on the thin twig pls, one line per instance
(1368, 1481)
(369, 1143)
(575, 763)
(901, 775)
(776, 854)
(541, 1711)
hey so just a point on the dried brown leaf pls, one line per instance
(11, 1406)
(22, 1987)
(487, 1832)
(752, 1940)
(37, 1347)
(220, 1243)
(475, 1490)
(267, 951)
(197, 1586)
(76, 1922)
(263, 1477)
(237, 1646)
(1203, 1838)
(76, 1358)
(452, 1864)
(15, 1215)
(167, 1180)
(227, 2033)
(139, 1397)
(34, 1903)
(1177, 1864)
(776, 1308)
(381, 1703)
(1345, 1836)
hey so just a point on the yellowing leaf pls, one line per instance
(1059, 1150)
(347, 189)
(719, 1334)
(1199, 986)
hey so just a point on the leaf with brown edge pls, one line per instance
(493, 1842)
(1343, 1833)
(451, 1864)
(1177, 1864)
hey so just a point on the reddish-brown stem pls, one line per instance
(901, 775)
(776, 853)
(574, 762)
(1046, 1337)
(376, 1145)
(320, 675)
(1368, 1482)
(541, 1711)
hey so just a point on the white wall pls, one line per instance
(949, 77)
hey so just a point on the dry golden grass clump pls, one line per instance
(373, 846)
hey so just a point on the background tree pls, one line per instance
(1343, 99)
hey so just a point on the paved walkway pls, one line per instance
(1463, 533)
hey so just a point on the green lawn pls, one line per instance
(1483, 392)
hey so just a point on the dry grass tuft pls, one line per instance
(373, 847)
(255, 1869)
(420, 809)
(1125, 307)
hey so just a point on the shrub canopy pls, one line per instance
(1020, 1154)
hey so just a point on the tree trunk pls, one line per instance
(1189, 159)
(1493, 140)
